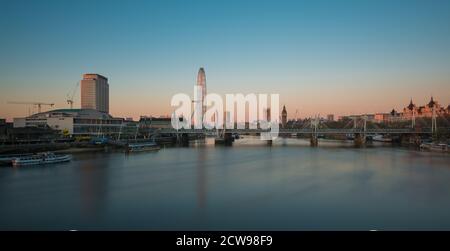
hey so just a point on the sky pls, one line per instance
(322, 57)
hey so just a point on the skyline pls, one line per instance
(322, 57)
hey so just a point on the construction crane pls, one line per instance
(71, 95)
(38, 104)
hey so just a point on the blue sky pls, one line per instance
(321, 56)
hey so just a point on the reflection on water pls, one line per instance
(93, 186)
(289, 186)
(201, 177)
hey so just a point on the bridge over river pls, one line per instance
(359, 135)
(301, 131)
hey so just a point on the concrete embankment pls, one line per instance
(81, 150)
(54, 147)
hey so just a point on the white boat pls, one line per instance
(7, 159)
(381, 138)
(40, 159)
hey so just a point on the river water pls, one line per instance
(249, 186)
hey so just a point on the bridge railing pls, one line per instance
(299, 130)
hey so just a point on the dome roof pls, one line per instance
(78, 113)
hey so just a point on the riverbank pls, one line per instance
(53, 147)
(82, 150)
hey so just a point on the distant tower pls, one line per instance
(201, 81)
(284, 117)
(268, 114)
(412, 108)
(432, 105)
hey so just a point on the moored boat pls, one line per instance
(99, 141)
(434, 147)
(381, 138)
(7, 159)
(40, 159)
(142, 147)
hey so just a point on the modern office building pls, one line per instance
(148, 122)
(83, 122)
(92, 119)
(95, 93)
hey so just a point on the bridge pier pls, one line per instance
(360, 140)
(228, 137)
(183, 139)
(314, 141)
(227, 140)
(410, 139)
(415, 140)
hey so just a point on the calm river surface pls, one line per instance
(249, 186)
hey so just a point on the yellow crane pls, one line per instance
(38, 104)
